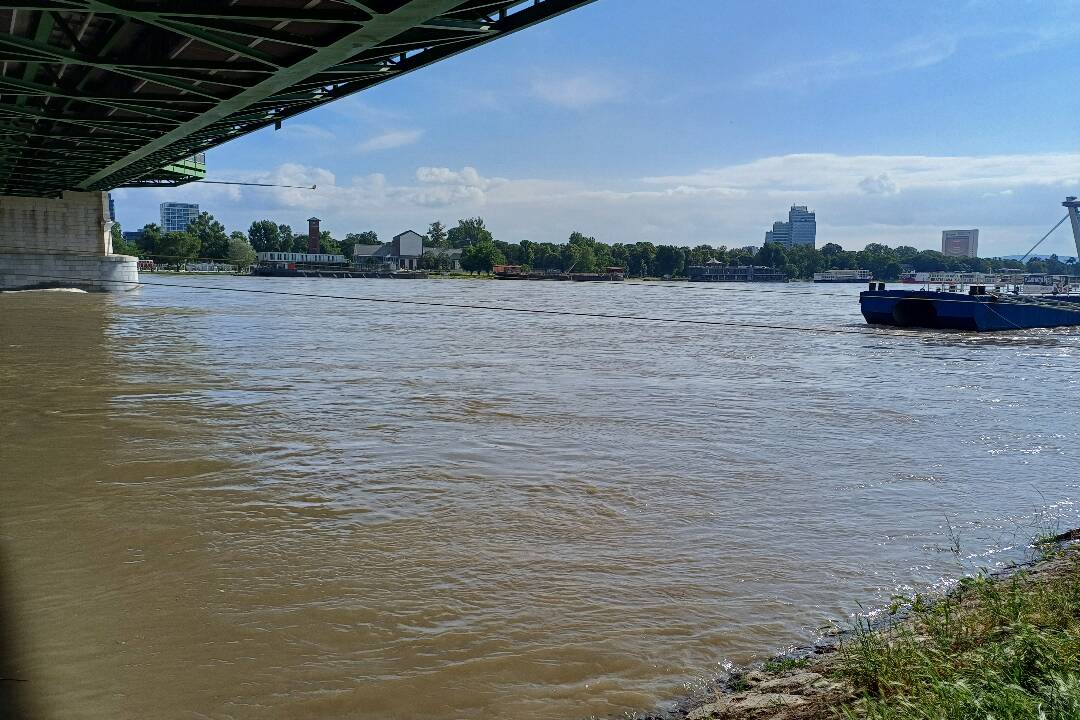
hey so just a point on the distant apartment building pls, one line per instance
(800, 228)
(960, 243)
(112, 207)
(175, 217)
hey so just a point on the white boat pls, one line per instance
(843, 276)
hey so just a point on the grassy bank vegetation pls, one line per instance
(996, 648)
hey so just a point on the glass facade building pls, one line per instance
(175, 217)
(803, 226)
(800, 228)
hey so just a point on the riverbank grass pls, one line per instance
(995, 648)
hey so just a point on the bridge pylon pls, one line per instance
(61, 242)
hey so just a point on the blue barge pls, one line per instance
(978, 309)
(958, 311)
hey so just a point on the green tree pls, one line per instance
(929, 261)
(668, 260)
(741, 256)
(580, 258)
(241, 254)
(481, 256)
(469, 231)
(289, 242)
(803, 261)
(771, 254)
(151, 236)
(213, 240)
(1054, 266)
(328, 245)
(640, 257)
(526, 252)
(434, 259)
(905, 253)
(177, 248)
(120, 246)
(368, 237)
(831, 250)
(265, 236)
(703, 254)
(582, 253)
(436, 235)
(546, 256)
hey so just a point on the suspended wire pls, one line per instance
(500, 308)
(651, 284)
(715, 287)
(1049, 232)
(683, 284)
(254, 184)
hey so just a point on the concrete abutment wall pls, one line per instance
(61, 242)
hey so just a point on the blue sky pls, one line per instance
(700, 123)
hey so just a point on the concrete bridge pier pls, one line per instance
(63, 242)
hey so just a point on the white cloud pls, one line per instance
(903, 199)
(577, 91)
(390, 140)
(435, 187)
(440, 187)
(880, 185)
(911, 54)
(1061, 29)
(889, 174)
(445, 176)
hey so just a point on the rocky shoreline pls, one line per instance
(808, 683)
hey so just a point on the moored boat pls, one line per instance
(1033, 301)
(508, 272)
(715, 271)
(941, 277)
(976, 310)
(843, 276)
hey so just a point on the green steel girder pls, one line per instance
(205, 10)
(97, 94)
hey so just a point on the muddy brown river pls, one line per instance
(237, 506)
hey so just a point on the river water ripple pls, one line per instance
(225, 505)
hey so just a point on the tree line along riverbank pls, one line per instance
(207, 239)
(1003, 646)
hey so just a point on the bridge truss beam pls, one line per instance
(128, 88)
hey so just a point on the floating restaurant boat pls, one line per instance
(843, 276)
(607, 274)
(319, 265)
(1036, 301)
(942, 277)
(715, 271)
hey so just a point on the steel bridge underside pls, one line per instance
(100, 94)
